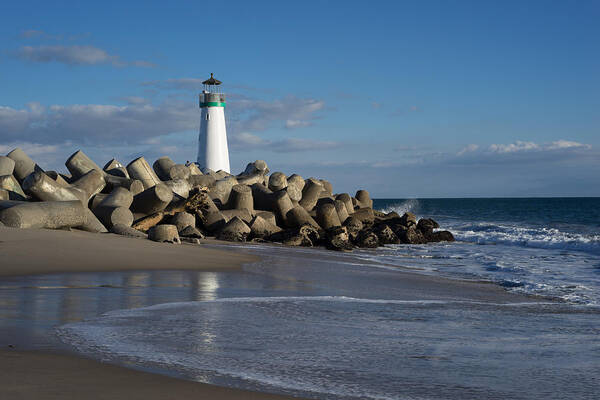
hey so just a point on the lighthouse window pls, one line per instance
(207, 116)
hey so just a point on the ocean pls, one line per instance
(372, 324)
(543, 246)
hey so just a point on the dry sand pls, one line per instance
(39, 251)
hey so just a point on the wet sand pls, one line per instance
(33, 375)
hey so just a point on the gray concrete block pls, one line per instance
(298, 216)
(11, 185)
(153, 199)
(140, 169)
(164, 233)
(182, 220)
(235, 230)
(91, 183)
(241, 198)
(80, 164)
(364, 199)
(49, 215)
(327, 216)
(310, 194)
(7, 166)
(110, 216)
(277, 181)
(119, 197)
(23, 164)
(44, 188)
(347, 200)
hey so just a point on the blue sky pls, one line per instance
(405, 99)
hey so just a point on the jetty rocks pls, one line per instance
(174, 203)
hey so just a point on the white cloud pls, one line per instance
(32, 149)
(513, 147)
(74, 55)
(96, 123)
(524, 147)
(294, 123)
(258, 115)
(566, 144)
(246, 139)
(468, 149)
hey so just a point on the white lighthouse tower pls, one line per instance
(212, 142)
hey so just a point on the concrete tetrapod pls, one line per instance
(7, 165)
(296, 180)
(310, 194)
(92, 224)
(262, 197)
(91, 183)
(80, 164)
(258, 166)
(241, 198)
(193, 167)
(182, 220)
(236, 230)
(327, 186)
(110, 216)
(268, 216)
(164, 233)
(23, 164)
(44, 188)
(347, 200)
(162, 166)
(364, 199)
(140, 169)
(281, 205)
(327, 216)
(114, 167)
(48, 214)
(57, 178)
(222, 189)
(180, 187)
(152, 200)
(4, 194)
(277, 181)
(11, 185)
(342, 212)
(298, 216)
(201, 181)
(242, 214)
(119, 197)
(96, 200)
(262, 228)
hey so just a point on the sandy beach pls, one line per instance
(59, 374)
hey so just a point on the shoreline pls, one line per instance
(41, 374)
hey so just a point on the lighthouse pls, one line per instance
(212, 141)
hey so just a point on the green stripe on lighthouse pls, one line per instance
(213, 104)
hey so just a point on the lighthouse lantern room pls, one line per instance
(213, 152)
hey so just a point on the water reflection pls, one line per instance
(30, 307)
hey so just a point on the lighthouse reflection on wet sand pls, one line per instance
(213, 152)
